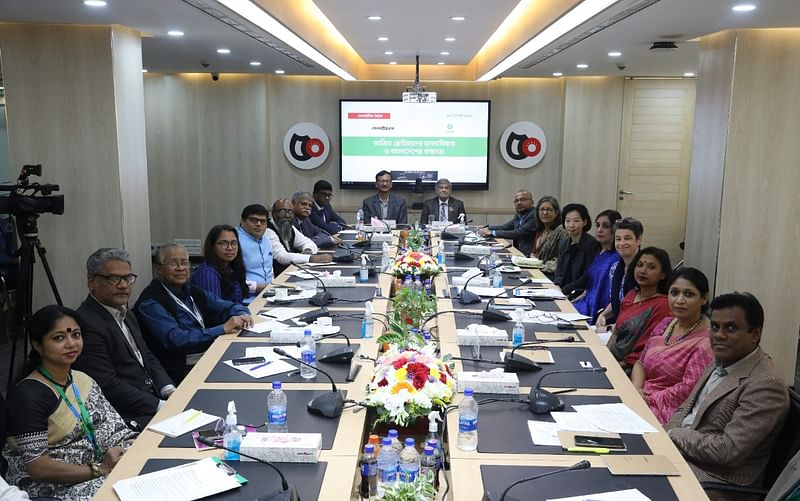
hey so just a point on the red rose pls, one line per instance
(442, 378)
(400, 362)
(383, 382)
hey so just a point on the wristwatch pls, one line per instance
(96, 471)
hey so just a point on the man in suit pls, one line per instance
(384, 205)
(521, 227)
(322, 214)
(302, 201)
(442, 207)
(114, 352)
(727, 426)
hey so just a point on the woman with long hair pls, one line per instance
(222, 273)
(597, 294)
(548, 233)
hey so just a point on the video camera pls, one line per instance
(27, 198)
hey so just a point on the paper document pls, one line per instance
(543, 433)
(269, 354)
(486, 291)
(182, 483)
(549, 293)
(281, 314)
(262, 369)
(304, 294)
(573, 421)
(572, 316)
(615, 418)
(268, 326)
(184, 422)
(305, 275)
(626, 495)
(540, 317)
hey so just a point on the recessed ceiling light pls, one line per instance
(745, 7)
(94, 3)
(614, 54)
(144, 70)
(444, 53)
(255, 63)
(449, 39)
(440, 62)
(392, 62)
(175, 33)
(223, 51)
(558, 74)
(689, 74)
(280, 72)
(374, 18)
(457, 18)
(388, 53)
(582, 66)
(383, 39)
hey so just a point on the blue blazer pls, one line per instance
(397, 209)
(327, 219)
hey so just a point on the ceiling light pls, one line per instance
(392, 62)
(745, 7)
(280, 72)
(457, 18)
(223, 51)
(614, 54)
(581, 66)
(255, 63)
(175, 33)
(383, 39)
(144, 70)
(444, 53)
(388, 53)
(449, 39)
(374, 18)
(440, 62)
(566, 23)
(94, 3)
(558, 74)
(259, 17)
(689, 74)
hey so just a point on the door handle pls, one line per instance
(625, 192)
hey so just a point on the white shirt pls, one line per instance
(284, 256)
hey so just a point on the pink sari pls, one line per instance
(672, 371)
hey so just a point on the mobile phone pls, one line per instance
(248, 360)
(210, 434)
(606, 442)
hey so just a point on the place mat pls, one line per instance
(574, 483)
(222, 373)
(541, 304)
(462, 321)
(346, 296)
(346, 272)
(504, 426)
(251, 408)
(261, 479)
(566, 358)
(350, 325)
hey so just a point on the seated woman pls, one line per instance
(576, 252)
(597, 292)
(627, 242)
(63, 435)
(643, 307)
(678, 351)
(548, 233)
(222, 273)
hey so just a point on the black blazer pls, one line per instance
(430, 207)
(107, 357)
(327, 219)
(573, 261)
(520, 229)
(397, 208)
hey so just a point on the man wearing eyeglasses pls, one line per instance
(289, 245)
(114, 352)
(180, 320)
(521, 227)
(322, 214)
(302, 203)
(256, 250)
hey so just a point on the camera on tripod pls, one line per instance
(26, 197)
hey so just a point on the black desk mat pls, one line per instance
(541, 304)
(350, 325)
(463, 321)
(574, 483)
(504, 426)
(345, 295)
(565, 358)
(222, 373)
(251, 407)
(261, 479)
(346, 272)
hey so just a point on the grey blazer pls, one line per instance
(397, 208)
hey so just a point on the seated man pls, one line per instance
(114, 352)
(322, 214)
(302, 202)
(727, 426)
(521, 228)
(383, 205)
(180, 320)
(256, 250)
(442, 207)
(289, 246)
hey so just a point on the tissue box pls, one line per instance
(382, 237)
(475, 282)
(282, 447)
(489, 382)
(485, 335)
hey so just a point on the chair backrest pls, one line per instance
(788, 442)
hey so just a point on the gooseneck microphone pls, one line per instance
(518, 363)
(287, 491)
(467, 297)
(491, 496)
(341, 355)
(321, 298)
(328, 405)
(494, 315)
(446, 235)
(542, 401)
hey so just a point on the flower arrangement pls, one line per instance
(415, 263)
(408, 384)
(415, 238)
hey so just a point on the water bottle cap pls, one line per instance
(468, 392)
(431, 443)
(276, 385)
(428, 451)
(307, 332)
(369, 449)
(409, 442)
(387, 441)
(393, 434)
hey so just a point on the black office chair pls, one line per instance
(786, 446)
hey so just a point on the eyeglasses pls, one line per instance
(256, 220)
(285, 212)
(228, 244)
(129, 279)
(518, 200)
(546, 209)
(175, 264)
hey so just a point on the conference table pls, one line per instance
(505, 450)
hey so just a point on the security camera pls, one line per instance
(214, 76)
(621, 67)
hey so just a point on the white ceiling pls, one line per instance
(415, 27)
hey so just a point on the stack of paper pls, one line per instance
(184, 422)
(611, 418)
(182, 483)
(626, 495)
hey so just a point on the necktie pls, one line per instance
(442, 212)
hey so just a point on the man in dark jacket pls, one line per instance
(521, 227)
(322, 214)
(442, 207)
(384, 205)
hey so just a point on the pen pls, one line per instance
(261, 365)
(192, 417)
(596, 450)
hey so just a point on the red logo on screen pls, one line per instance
(373, 116)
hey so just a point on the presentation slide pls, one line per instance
(426, 141)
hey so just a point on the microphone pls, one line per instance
(493, 496)
(518, 363)
(460, 256)
(342, 355)
(328, 405)
(467, 297)
(446, 235)
(312, 315)
(542, 401)
(344, 258)
(322, 298)
(479, 360)
(494, 315)
(287, 491)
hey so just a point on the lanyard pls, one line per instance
(83, 416)
(193, 311)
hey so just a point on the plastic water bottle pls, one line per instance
(497, 278)
(440, 256)
(386, 260)
(395, 442)
(367, 324)
(387, 465)
(308, 354)
(437, 452)
(409, 463)
(518, 334)
(360, 225)
(467, 422)
(427, 467)
(232, 438)
(363, 273)
(408, 283)
(417, 284)
(428, 287)
(492, 264)
(426, 336)
(277, 406)
(369, 473)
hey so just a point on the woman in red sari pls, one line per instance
(679, 350)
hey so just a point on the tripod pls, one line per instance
(29, 240)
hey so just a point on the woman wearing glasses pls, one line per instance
(222, 273)
(549, 232)
(64, 437)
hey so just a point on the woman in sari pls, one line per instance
(679, 349)
(643, 307)
(549, 231)
(598, 280)
(63, 435)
